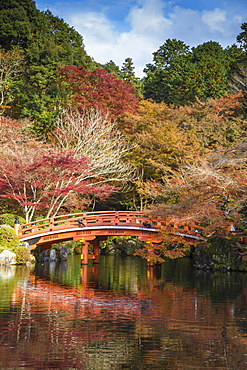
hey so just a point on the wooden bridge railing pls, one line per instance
(89, 219)
(104, 218)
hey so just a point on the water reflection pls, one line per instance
(119, 314)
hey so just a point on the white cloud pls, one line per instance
(149, 18)
(149, 25)
(215, 20)
(103, 42)
(95, 27)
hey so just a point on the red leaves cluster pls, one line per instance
(97, 89)
(44, 179)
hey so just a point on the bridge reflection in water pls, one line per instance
(121, 317)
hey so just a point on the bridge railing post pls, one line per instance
(116, 220)
(51, 223)
(17, 225)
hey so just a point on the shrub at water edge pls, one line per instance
(22, 255)
(8, 239)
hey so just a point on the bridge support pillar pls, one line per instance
(96, 253)
(84, 253)
(96, 247)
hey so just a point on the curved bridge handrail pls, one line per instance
(105, 223)
(107, 219)
(89, 219)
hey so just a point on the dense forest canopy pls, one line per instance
(174, 140)
(178, 75)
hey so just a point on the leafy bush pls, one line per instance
(74, 247)
(8, 238)
(10, 241)
(9, 219)
(125, 245)
(22, 254)
(77, 249)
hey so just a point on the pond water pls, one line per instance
(120, 314)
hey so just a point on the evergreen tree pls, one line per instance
(128, 73)
(111, 67)
(238, 74)
(242, 37)
(17, 18)
(179, 76)
(165, 75)
(170, 51)
(128, 70)
(47, 42)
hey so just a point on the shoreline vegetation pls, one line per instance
(221, 253)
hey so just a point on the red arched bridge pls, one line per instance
(93, 227)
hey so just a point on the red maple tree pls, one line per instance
(86, 89)
(40, 177)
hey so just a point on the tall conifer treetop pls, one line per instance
(16, 18)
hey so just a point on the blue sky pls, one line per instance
(120, 29)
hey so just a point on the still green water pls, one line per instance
(120, 314)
